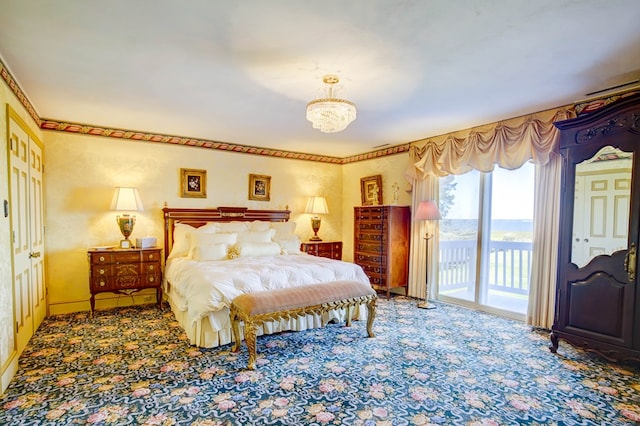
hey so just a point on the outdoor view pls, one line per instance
(489, 268)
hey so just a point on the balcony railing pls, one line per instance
(509, 266)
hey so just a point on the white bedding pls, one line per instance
(207, 287)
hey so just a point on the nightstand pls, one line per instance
(330, 249)
(124, 271)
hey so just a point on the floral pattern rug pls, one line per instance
(446, 366)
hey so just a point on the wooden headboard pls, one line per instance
(199, 217)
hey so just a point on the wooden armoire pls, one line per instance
(381, 245)
(597, 295)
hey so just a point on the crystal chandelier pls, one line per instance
(330, 114)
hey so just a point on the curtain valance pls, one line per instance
(509, 144)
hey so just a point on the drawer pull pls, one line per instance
(150, 256)
(101, 271)
(101, 258)
(151, 268)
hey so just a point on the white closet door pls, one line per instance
(27, 223)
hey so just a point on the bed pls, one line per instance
(214, 255)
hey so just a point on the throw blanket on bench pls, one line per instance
(256, 308)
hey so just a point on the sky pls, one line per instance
(512, 196)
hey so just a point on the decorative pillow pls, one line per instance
(181, 240)
(284, 229)
(235, 226)
(256, 236)
(290, 245)
(216, 251)
(199, 240)
(247, 248)
(259, 225)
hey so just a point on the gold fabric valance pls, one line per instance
(509, 144)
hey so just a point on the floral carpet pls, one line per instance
(446, 366)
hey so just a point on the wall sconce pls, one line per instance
(427, 210)
(316, 206)
(127, 200)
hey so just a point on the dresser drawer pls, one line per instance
(370, 248)
(371, 226)
(116, 269)
(370, 259)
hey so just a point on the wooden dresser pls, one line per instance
(330, 249)
(381, 245)
(124, 271)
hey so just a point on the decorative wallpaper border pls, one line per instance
(17, 90)
(61, 126)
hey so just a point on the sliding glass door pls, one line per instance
(486, 239)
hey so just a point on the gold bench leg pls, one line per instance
(250, 338)
(235, 327)
(371, 313)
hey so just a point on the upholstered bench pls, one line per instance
(257, 308)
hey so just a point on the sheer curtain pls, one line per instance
(508, 144)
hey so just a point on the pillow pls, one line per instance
(181, 240)
(259, 225)
(290, 245)
(199, 240)
(235, 226)
(248, 248)
(209, 228)
(256, 236)
(216, 251)
(284, 229)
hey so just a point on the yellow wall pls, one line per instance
(80, 175)
(81, 172)
(391, 168)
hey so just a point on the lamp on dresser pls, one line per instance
(126, 200)
(316, 206)
(427, 211)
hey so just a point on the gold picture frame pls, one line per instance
(193, 183)
(259, 187)
(371, 190)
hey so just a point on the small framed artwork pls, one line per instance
(193, 183)
(259, 187)
(371, 190)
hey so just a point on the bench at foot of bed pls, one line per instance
(254, 309)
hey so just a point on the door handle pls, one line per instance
(630, 262)
(34, 254)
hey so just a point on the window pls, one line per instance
(486, 236)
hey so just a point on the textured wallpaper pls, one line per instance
(82, 171)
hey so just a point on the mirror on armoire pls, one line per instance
(601, 205)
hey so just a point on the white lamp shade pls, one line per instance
(126, 199)
(317, 205)
(427, 210)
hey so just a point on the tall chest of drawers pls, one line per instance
(381, 245)
(124, 271)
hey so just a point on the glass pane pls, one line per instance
(601, 205)
(508, 246)
(459, 201)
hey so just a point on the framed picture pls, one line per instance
(193, 183)
(259, 187)
(371, 190)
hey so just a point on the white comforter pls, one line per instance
(210, 286)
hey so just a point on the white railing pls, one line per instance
(509, 265)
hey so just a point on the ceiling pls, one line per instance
(243, 71)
